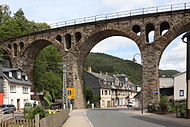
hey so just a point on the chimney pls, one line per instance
(89, 69)
(101, 72)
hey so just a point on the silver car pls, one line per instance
(7, 108)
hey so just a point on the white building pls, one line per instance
(180, 86)
(16, 87)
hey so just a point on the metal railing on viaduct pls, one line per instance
(142, 11)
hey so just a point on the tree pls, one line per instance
(88, 95)
(4, 12)
(17, 25)
(19, 14)
(48, 72)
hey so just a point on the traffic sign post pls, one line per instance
(71, 92)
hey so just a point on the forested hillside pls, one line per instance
(113, 65)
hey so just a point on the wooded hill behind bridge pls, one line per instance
(114, 65)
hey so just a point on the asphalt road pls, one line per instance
(113, 118)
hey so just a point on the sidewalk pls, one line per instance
(166, 117)
(78, 118)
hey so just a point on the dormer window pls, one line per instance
(19, 75)
(26, 77)
(10, 74)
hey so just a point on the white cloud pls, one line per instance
(112, 43)
(175, 57)
(121, 5)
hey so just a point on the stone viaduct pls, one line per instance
(75, 42)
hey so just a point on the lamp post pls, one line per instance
(134, 60)
(187, 36)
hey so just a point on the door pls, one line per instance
(18, 104)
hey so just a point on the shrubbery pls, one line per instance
(30, 112)
(167, 107)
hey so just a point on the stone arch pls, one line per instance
(9, 46)
(173, 33)
(21, 45)
(68, 41)
(93, 38)
(38, 44)
(78, 36)
(9, 53)
(164, 26)
(136, 29)
(30, 51)
(15, 49)
(59, 38)
(148, 28)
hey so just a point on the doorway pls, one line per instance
(18, 104)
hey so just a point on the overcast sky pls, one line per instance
(52, 11)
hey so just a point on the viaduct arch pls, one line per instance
(74, 42)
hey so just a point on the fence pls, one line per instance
(55, 120)
(141, 11)
(18, 123)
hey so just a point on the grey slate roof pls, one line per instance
(13, 79)
(103, 78)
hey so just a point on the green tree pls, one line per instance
(19, 15)
(48, 72)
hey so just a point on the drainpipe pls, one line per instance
(187, 35)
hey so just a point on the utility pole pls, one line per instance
(65, 99)
(187, 36)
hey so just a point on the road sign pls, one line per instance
(63, 91)
(71, 92)
(156, 91)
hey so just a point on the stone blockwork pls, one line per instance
(75, 42)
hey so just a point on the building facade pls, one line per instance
(15, 87)
(113, 90)
(180, 86)
(167, 86)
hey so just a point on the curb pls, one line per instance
(85, 116)
(155, 116)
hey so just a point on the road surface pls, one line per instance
(114, 118)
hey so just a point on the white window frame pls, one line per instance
(19, 75)
(25, 90)
(10, 74)
(181, 93)
(12, 88)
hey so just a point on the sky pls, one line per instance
(52, 11)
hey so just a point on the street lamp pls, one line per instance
(134, 60)
(187, 36)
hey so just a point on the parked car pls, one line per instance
(7, 108)
(130, 104)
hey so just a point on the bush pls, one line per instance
(30, 112)
(151, 108)
(171, 107)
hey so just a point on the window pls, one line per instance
(102, 92)
(19, 75)
(25, 90)
(106, 93)
(12, 89)
(10, 74)
(26, 77)
(25, 101)
(181, 93)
